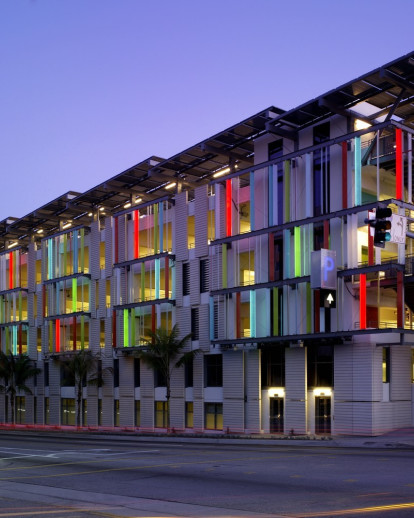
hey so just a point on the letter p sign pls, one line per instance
(328, 266)
(328, 269)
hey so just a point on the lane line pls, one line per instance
(75, 463)
(359, 510)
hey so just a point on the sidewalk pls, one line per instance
(398, 439)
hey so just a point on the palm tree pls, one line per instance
(15, 371)
(164, 353)
(83, 368)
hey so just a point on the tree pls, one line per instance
(83, 368)
(164, 353)
(15, 371)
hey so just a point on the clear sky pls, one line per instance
(89, 88)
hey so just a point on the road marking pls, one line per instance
(360, 510)
(373, 494)
(58, 454)
(42, 513)
(75, 463)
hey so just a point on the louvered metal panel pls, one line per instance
(108, 246)
(31, 267)
(296, 391)
(94, 250)
(253, 391)
(233, 391)
(201, 220)
(194, 282)
(181, 227)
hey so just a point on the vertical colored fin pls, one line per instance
(398, 164)
(155, 207)
(357, 165)
(161, 226)
(157, 278)
(308, 308)
(270, 194)
(74, 295)
(275, 293)
(298, 253)
(224, 265)
(228, 208)
(238, 316)
(126, 328)
(57, 335)
(136, 234)
(344, 175)
(142, 282)
(286, 182)
(252, 313)
(252, 204)
(362, 301)
(82, 322)
(400, 299)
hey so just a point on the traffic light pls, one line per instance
(381, 225)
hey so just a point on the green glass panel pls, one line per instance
(126, 328)
(74, 295)
(298, 255)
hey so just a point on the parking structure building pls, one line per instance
(258, 242)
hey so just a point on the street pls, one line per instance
(80, 476)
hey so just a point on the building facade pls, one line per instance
(258, 242)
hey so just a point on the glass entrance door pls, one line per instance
(323, 415)
(276, 415)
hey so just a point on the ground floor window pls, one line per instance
(20, 409)
(161, 413)
(35, 410)
(138, 413)
(214, 416)
(116, 412)
(68, 411)
(189, 414)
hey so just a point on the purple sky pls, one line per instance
(89, 88)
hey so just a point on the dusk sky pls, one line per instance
(89, 88)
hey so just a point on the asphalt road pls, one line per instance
(79, 476)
